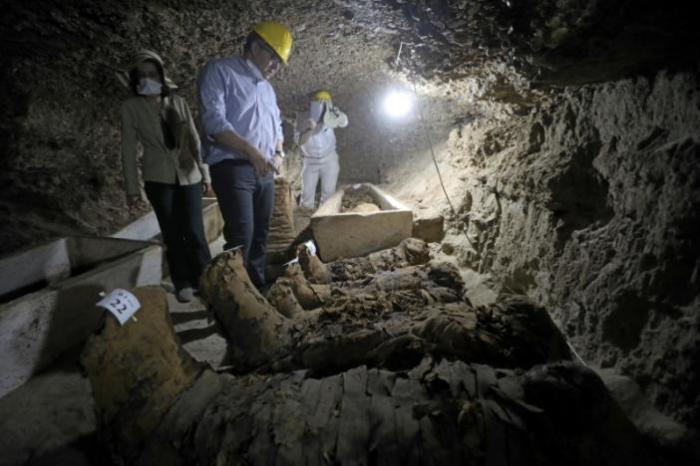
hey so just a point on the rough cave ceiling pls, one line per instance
(511, 47)
(58, 125)
(550, 42)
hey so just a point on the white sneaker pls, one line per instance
(185, 295)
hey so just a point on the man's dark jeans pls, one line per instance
(246, 202)
(179, 212)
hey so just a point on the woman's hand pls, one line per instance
(206, 190)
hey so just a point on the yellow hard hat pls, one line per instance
(322, 95)
(277, 36)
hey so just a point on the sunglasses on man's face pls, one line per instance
(271, 53)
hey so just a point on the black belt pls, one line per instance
(236, 162)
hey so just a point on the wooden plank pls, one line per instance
(407, 426)
(288, 423)
(353, 430)
(383, 447)
(324, 422)
(425, 366)
(262, 449)
(485, 379)
(496, 441)
(223, 418)
(380, 382)
(511, 386)
(441, 438)
(309, 398)
(466, 377)
(445, 372)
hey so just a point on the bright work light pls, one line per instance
(397, 104)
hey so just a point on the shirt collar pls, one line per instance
(254, 69)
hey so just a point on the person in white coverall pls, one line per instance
(314, 134)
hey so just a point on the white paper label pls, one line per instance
(311, 246)
(121, 303)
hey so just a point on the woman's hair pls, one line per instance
(134, 78)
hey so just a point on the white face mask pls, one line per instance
(148, 86)
(316, 109)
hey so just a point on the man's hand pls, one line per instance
(312, 124)
(277, 162)
(258, 160)
(235, 143)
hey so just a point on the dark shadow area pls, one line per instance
(73, 318)
(624, 325)
(580, 195)
(23, 290)
(194, 334)
(50, 418)
(85, 451)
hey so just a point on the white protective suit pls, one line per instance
(319, 152)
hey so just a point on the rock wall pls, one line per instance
(627, 290)
(590, 205)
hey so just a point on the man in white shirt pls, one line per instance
(314, 134)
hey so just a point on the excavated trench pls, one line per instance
(546, 310)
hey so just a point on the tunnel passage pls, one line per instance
(565, 133)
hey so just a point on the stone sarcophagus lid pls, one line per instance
(357, 220)
(146, 228)
(48, 295)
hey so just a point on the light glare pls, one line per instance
(397, 104)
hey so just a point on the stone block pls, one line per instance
(146, 227)
(430, 230)
(352, 234)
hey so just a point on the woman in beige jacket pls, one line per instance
(174, 175)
